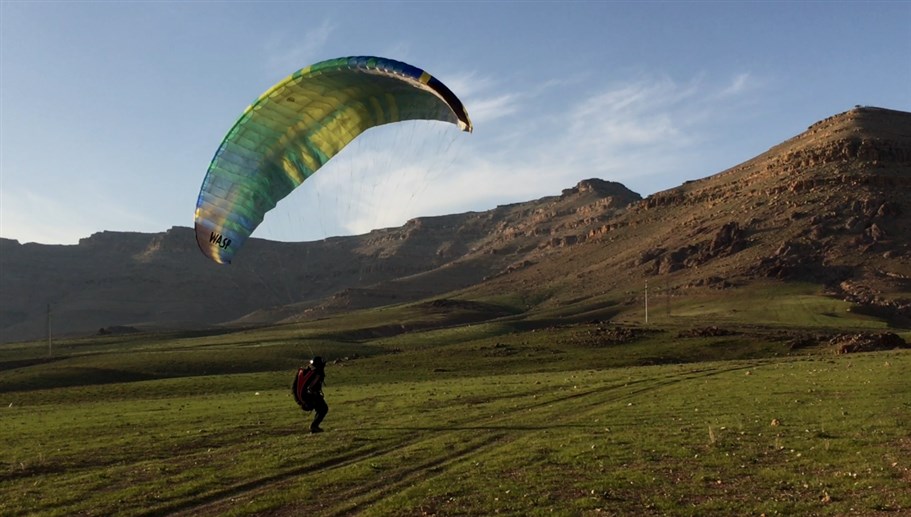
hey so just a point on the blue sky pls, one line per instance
(110, 112)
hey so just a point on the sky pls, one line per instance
(110, 112)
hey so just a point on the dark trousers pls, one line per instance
(320, 408)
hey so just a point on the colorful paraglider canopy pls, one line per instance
(296, 127)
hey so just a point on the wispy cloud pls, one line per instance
(287, 52)
(738, 85)
(487, 109)
(485, 98)
(612, 131)
(647, 127)
(468, 84)
(645, 133)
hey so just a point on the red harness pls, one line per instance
(306, 378)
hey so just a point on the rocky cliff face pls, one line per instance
(829, 206)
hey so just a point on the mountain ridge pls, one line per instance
(826, 206)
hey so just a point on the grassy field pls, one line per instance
(510, 416)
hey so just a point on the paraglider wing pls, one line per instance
(296, 127)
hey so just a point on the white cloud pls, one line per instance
(484, 98)
(486, 110)
(645, 133)
(613, 130)
(288, 52)
(467, 84)
(739, 84)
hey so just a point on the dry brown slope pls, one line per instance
(831, 206)
(162, 281)
(480, 245)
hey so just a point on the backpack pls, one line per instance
(299, 387)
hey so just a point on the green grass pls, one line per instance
(785, 305)
(505, 416)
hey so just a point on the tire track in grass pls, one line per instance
(638, 387)
(501, 430)
(197, 505)
(351, 498)
(221, 500)
(375, 491)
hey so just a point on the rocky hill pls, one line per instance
(119, 280)
(829, 206)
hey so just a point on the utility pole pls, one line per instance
(50, 352)
(646, 302)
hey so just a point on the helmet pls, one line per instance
(317, 362)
